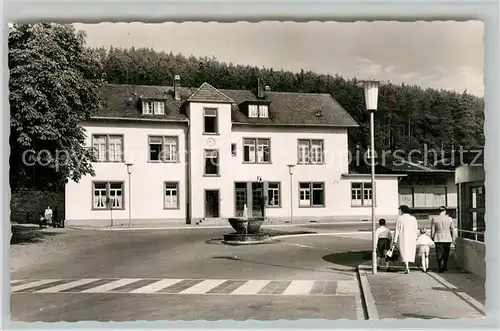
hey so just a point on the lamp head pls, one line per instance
(290, 168)
(371, 87)
(129, 168)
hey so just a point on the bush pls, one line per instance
(26, 206)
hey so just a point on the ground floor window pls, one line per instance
(312, 194)
(108, 195)
(361, 194)
(273, 195)
(171, 197)
(472, 211)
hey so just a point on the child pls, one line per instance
(384, 239)
(424, 244)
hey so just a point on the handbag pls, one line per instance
(392, 253)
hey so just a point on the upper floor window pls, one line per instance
(310, 151)
(261, 111)
(361, 194)
(211, 162)
(163, 149)
(108, 195)
(210, 120)
(108, 148)
(256, 150)
(153, 107)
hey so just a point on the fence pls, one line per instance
(472, 235)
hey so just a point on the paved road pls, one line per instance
(189, 275)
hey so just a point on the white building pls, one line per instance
(201, 154)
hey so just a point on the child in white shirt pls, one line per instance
(384, 240)
(424, 244)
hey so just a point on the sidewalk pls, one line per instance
(448, 295)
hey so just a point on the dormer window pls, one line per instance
(153, 107)
(263, 111)
(258, 111)
(147, 107)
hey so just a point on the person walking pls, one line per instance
(48, 215)
(405, 236)
(384, 239)
(424, 244)
(442, 230)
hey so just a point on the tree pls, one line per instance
(54, 86)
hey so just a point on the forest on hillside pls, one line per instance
(408, 116)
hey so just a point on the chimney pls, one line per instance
(177, 87)
(260, 89)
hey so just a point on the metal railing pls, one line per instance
(472, 235)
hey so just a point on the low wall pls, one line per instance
(469, 256)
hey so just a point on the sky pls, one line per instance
(446, 55)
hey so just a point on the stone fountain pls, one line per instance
(248, 229)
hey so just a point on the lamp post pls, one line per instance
(290, 172)
(129, 171)
(371, 99)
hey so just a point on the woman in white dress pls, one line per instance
(405, 236)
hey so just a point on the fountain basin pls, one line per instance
(252, 225)
(245, 239)
(248, 231)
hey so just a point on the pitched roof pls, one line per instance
(285, 108)
(391, 164)
(122, 101)
(208, 93)
(407, 166)
(294, 109)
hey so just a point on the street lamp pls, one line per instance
(129, 171)
(371, 99)
(290, 172)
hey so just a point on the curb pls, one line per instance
(371, 312)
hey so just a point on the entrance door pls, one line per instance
(240, 198)
(212, 204)
(257, 194)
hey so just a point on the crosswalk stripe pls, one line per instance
(191, 286)
(32, 284)
(299, 287)
(250, 287)
(110, 286)
(203, 287)
(67, 286)
(152, 288)
(14, 282)
(347, 287)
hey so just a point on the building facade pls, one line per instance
(470, 250)
(200, 155)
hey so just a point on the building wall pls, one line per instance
(470, 256)
(451, 188)
(147, 208)
(146, 179)
(284, 151)
(423, 195)
(198, 142)
(386, 199)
